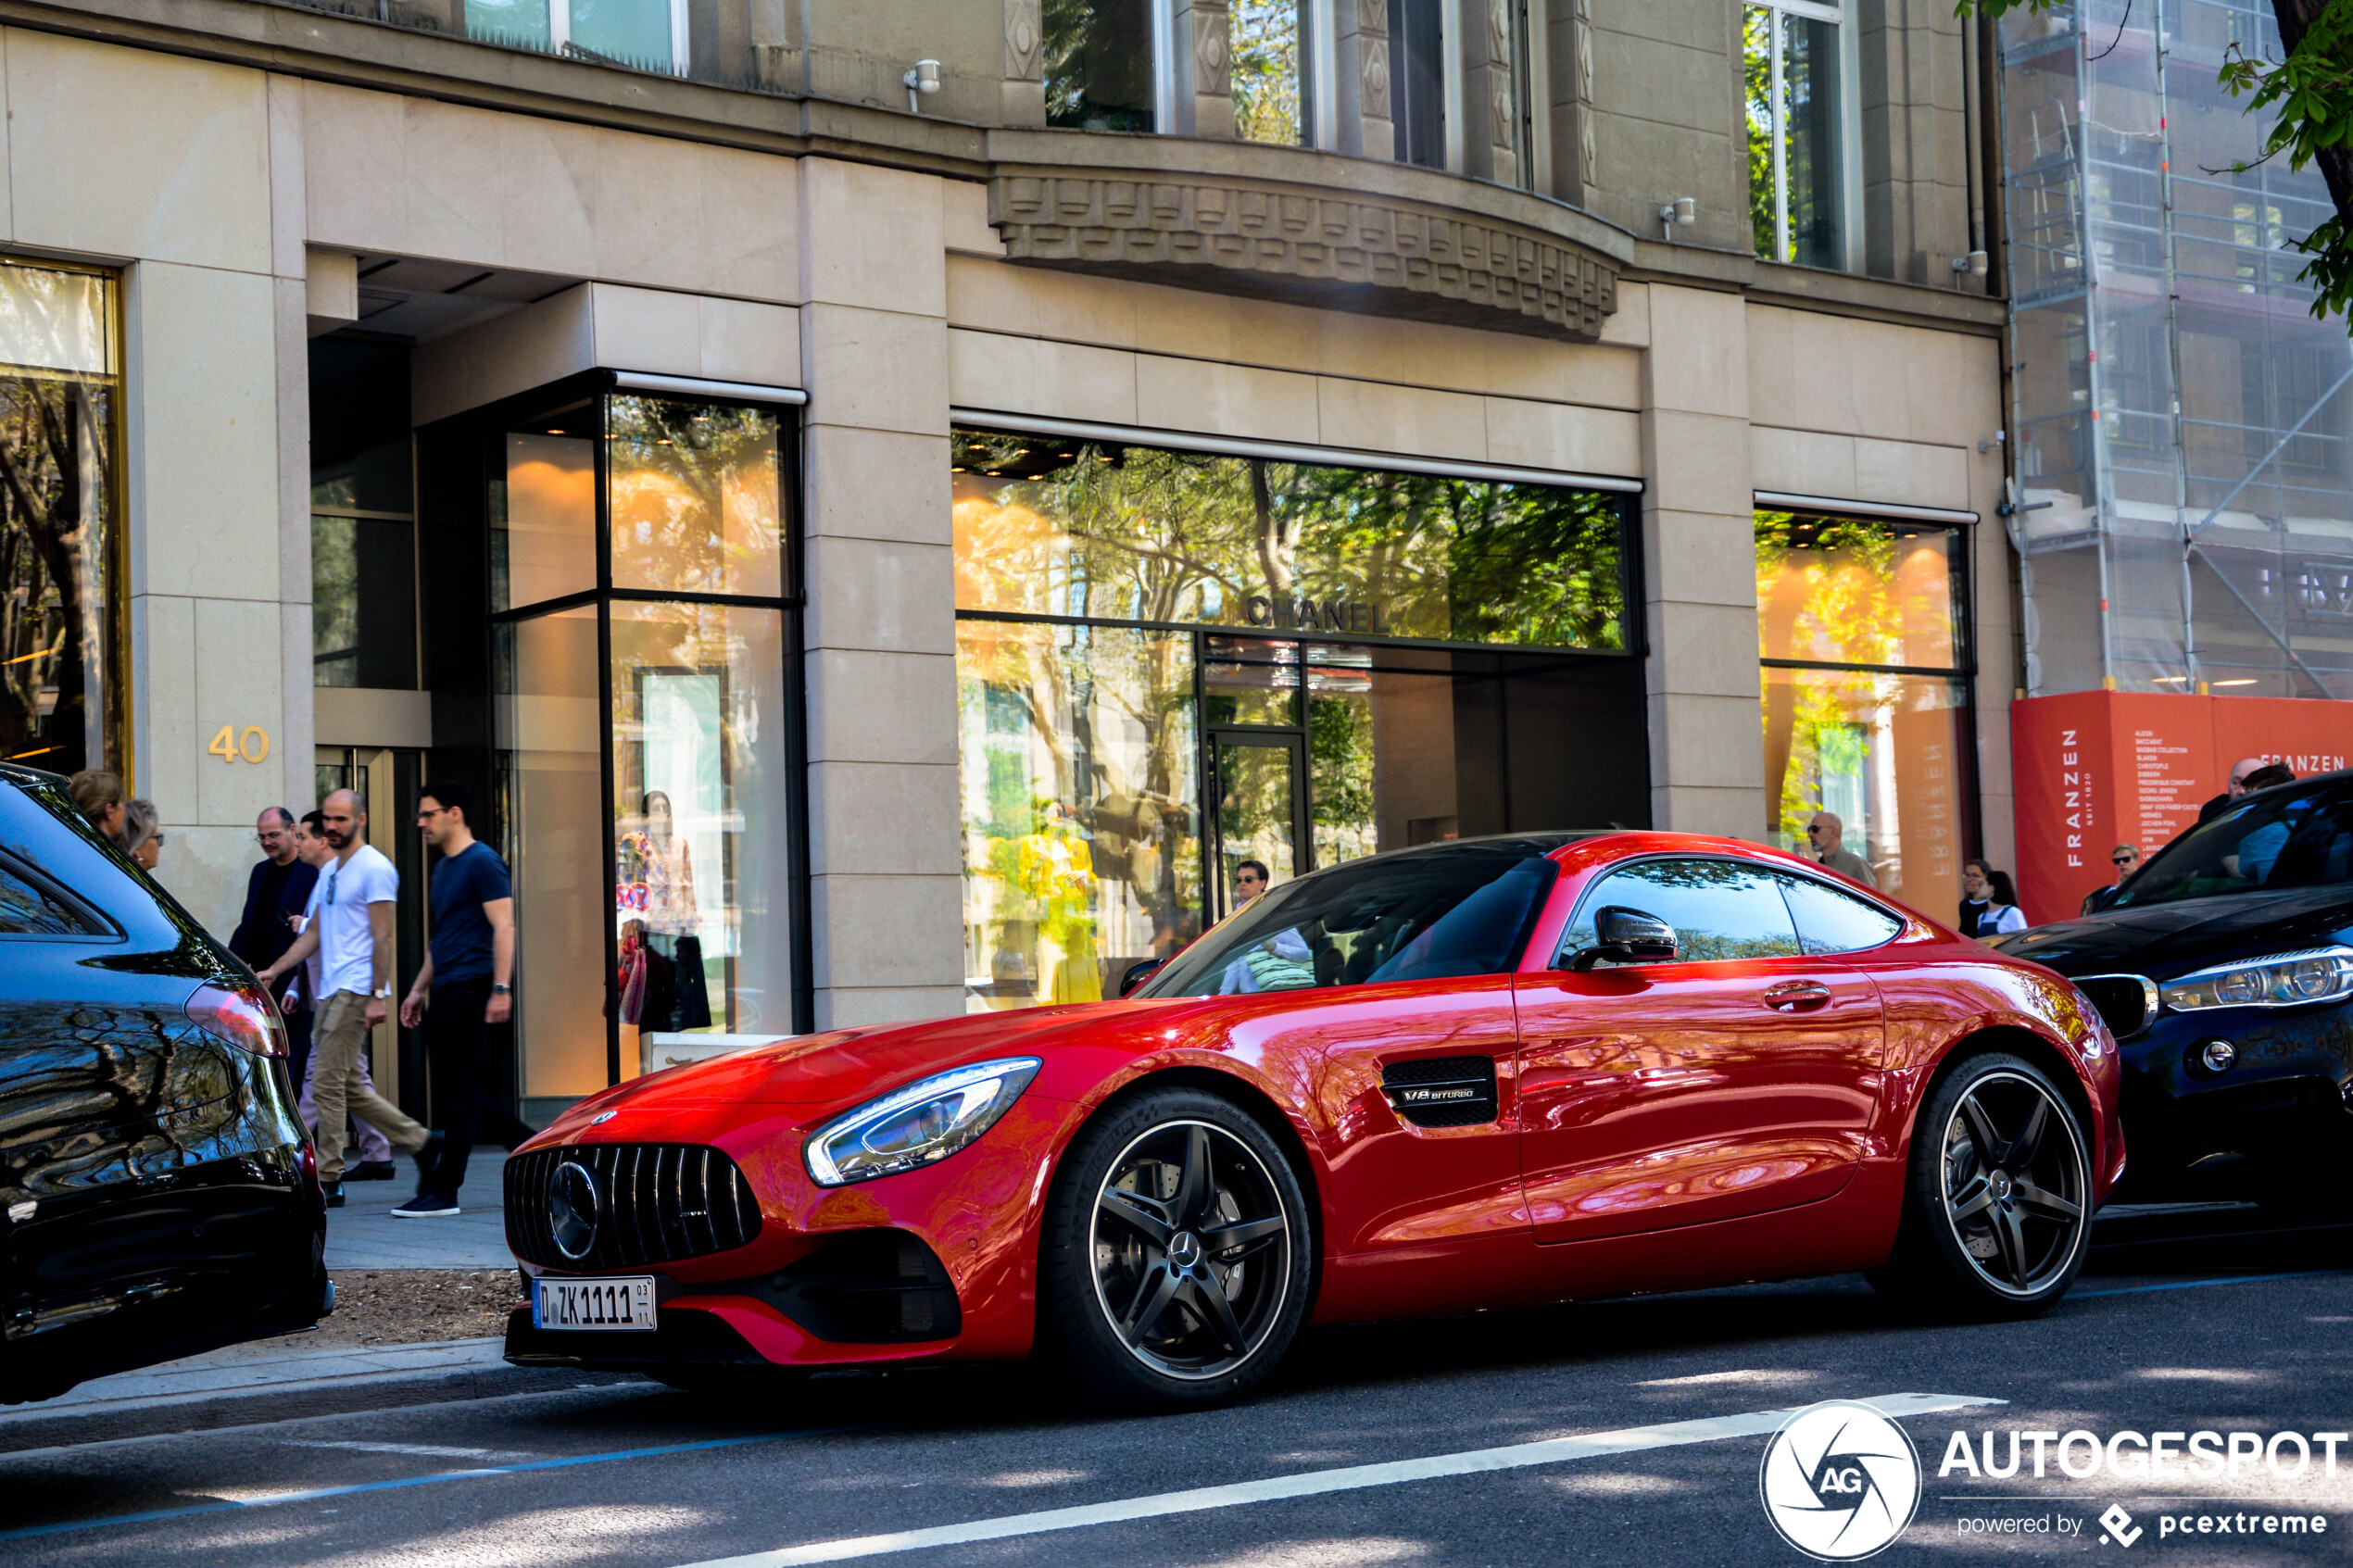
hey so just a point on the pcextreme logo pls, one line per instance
(1840, 1481)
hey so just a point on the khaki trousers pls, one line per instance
(336, 1086)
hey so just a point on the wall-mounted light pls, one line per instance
(1682, 209)
(1975, 264)
(924, 77)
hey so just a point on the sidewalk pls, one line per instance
(265, 1367)
(364, 1234)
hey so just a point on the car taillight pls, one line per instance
(244, 1016)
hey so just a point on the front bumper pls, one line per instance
(2283, 1096)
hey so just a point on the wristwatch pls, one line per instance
(382, 993)
(500, 988)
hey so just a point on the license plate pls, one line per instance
(601, 1305)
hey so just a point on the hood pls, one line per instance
(2164, 940)
(847, 1066)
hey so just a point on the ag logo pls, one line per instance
(1840, 1481)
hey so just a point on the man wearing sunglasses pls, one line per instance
(351, 931)
(2126, 858)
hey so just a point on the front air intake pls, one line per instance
(1442, 1091)
(596, 1206)
(2126, 1001)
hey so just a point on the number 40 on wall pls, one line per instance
(230, 746)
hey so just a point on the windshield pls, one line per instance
(2280, 838)
(1435, 914)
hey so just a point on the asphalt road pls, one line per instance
(2186, 1319)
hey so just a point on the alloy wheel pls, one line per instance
(1192, 1254)
(2017, 1185)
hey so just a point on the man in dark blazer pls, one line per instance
(276, 894)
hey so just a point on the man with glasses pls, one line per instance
(2126, 858)
(352, 935)
(1824, 836)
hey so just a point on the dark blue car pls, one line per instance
(2224, 967)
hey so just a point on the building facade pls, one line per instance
(889, 506)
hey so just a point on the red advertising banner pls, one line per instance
(2094, 769)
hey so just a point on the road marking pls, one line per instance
(315, 1493)
(1315, 1483)
(2198, 1284)
(425, 1450)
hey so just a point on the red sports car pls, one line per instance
(1484, 1073)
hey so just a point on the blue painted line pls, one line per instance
(317, 1493)
(2195, 1283)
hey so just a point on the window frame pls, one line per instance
(1850, 148)
(681, 41)
(97, 927)
(1772, 869)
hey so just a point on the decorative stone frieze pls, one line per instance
(1385, 257)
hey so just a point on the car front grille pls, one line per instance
(656, 1203)
(2127, 1001)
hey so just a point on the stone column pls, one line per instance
(1575, 125)
(1359, 61)
(1025, 64)
(1699, 567)
(884, 855)
(1204, 70)
(1486, 34)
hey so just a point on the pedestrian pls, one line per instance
(1250, 881)
(375, 1150)
(2269, 776)
(142, 832)
(278, 886)
(1989, 904)
(462, 993)
(2239, 770)
(352, 935)
(2126, 858)
(98, 794)
(1826, 836)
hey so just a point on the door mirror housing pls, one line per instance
(1626, 935)
(1138, 973)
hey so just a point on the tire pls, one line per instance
(1137, 1300)
(1990, 1239)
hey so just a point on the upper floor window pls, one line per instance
(1111, 65)
(1099, 66)
(1798, 152)
(1270, 84)
(642, 34)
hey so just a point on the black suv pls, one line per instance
(160, 1195)
(2224, 967)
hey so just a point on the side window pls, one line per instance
(1831, 922)
(1720, 908)
(26, 911)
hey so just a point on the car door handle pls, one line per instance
(1797, 996)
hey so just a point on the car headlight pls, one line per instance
(923, 1122)
(2283, 980)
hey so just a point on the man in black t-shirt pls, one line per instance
(462, 991)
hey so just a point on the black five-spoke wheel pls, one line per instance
(1177, 1251)
(2014, 1181)
(1998, 1201)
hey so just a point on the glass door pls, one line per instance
(1257, 812)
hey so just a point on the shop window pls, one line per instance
(640, 34)
(363, 527)
(62, 701)
(1045, 526)
(1865, 716)
(1173, 664)
(644, 646)
(1797, 131)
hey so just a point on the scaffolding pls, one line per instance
(2184, 431)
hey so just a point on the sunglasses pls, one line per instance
(2120, 859)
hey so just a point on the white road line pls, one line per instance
(1551, 1450)
(429, 1451)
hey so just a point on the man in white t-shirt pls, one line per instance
(351, 931)
(375, 1153)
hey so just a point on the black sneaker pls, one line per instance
(425, 1205)
(334, 1194)
(370, 1170)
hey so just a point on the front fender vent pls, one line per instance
(656, 1203)
(2126, 1001)
(1442, 1091)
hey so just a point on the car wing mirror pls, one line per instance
(1138, 973)
(1627, 935)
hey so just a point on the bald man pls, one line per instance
(1826, 836)
(2239, 770)
(351, 931)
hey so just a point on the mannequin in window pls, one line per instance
(658, 860)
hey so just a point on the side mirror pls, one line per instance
(1626, 935)
(1138, 973)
